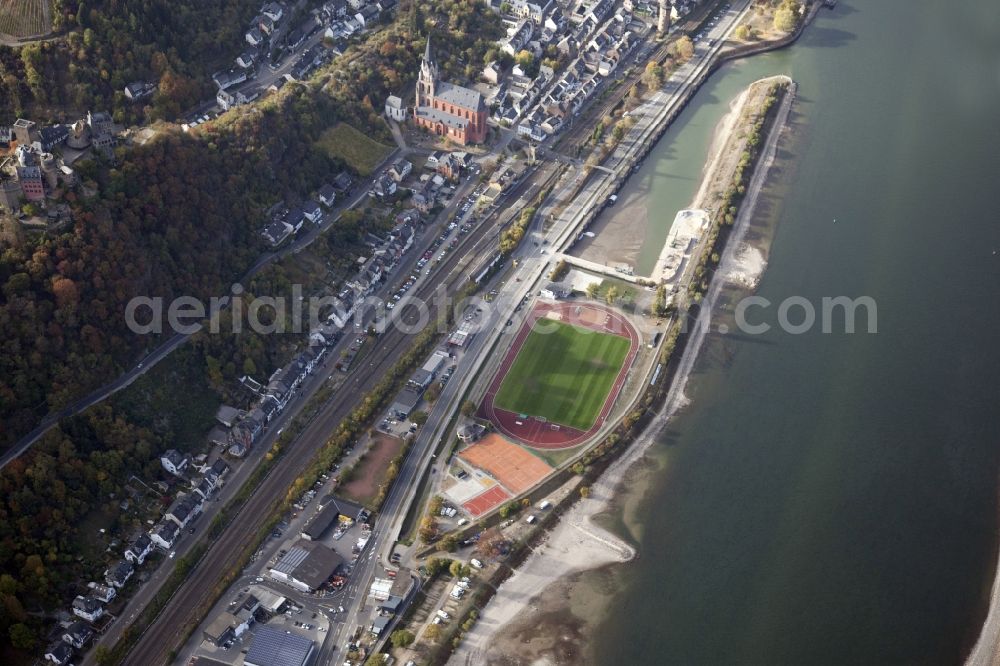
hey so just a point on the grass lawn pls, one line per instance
(564, 376)
(361, 152)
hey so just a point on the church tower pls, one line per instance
(427, 78)
(663, 18)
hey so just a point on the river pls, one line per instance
(832, 498)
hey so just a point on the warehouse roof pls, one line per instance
(274, 647)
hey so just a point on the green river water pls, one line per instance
(832, 498)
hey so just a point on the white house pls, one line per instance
(312, 211)
(273, 10)
(183, 510)
(164, 534)
(174, 461)
(118, 574)
(103, 593)
(400, 169)
(395, 109)
(139, 549)
(88, 608)
(327, 195)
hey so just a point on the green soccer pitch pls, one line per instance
(563, 376)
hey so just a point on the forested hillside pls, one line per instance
(178, 215)
(109, 43)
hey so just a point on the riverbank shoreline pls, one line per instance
(986, 650)
(577, 543)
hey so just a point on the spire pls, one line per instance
(427, 50)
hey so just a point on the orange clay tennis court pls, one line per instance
(515, 468)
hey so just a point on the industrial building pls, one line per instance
(333, 510)
(273, 647)
(307, 565)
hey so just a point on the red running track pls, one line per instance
(541, 434)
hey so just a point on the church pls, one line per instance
(448, 110)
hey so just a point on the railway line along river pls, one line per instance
(826, 497)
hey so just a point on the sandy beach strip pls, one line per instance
(574, 544)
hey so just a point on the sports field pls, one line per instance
(563, 375)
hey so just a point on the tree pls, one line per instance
(653, 75)
(418, 417)
(593, 289)
(455, 569)
(611, 294)
(450, 544)
(784, 19)
(436, 565)
(525, 59)
(584, 491)
(744, 33)
(432, 632)
(433, 392)
(401, 638)
(468, 408)
(684, 48)
(21, 636)
(428, 529)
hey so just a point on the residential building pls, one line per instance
(87, 608)
(103, 593)
(400, 169)
(59, 653)
(119, 573)
(78, 634)
(327, 195)
(183, 510)
(383, 187)
(139, 549)
(246, 59)
(174, 461)
(229, 78)
(343, 182)
(139, 90)
(446, 109)
(254, 36)
(491, 73)
(276, 232)
(164, 534)
(273, 11)
(312, 211)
